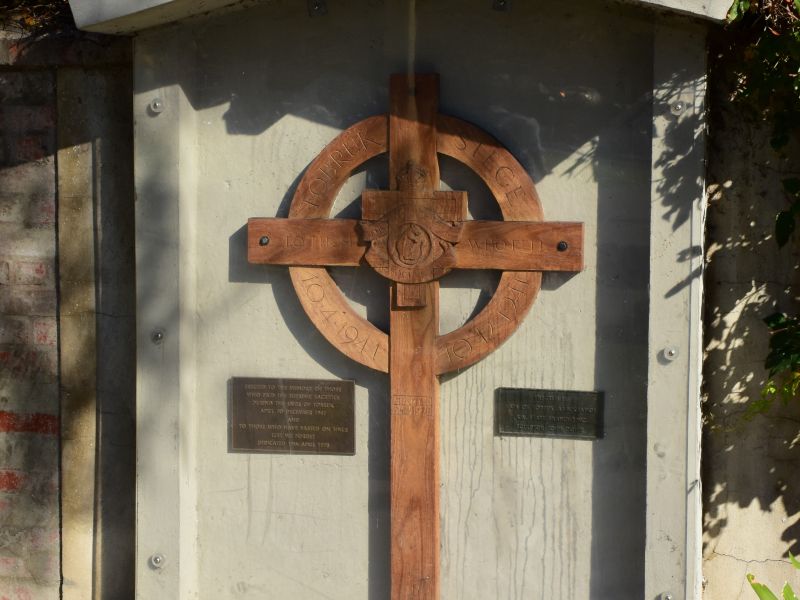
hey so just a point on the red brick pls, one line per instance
(35, 178)
(48, 365)
(27, 210)
(28, 272)
(21, 450)
(27, 301)
(13, 566)
(12, 87)
(19, 592)
(31, 147)
(14, 481)
(23, 119)
(11, 481)
(45, 332)
(29, 87)
(43, 211)
(11, 208)
(30, 365)
(32, 508)
(28, 423)
(42, 538)
(15, 330)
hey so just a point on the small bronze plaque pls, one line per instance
(292, 416)
(548, 413)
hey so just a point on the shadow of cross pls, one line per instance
(413, 234)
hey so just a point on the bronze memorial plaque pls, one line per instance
(292, 416)
(548, 413)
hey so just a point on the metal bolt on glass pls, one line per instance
(157, 561)
(156, 105)
(157, 336)
(677, 107)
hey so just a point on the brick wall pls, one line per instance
(65, 122)
(29, 399)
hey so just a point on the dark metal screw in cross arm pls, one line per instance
(562, 246)
(317, 8)
(263, 240)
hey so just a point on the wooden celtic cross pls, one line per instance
(413, 235)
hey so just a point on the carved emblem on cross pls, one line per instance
(413, 234)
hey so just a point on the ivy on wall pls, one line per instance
(765, 42)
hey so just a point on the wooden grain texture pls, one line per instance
(501, 316)
(448, 205)
(407, 295)
(508, 180)
(415, 234)
(511, 187)
(332, 314)
(414, 390)
(304, 242)
(520, 246)
(331, 168)
(414, 386)
(516, 195)
(349, 333)
(412, 127)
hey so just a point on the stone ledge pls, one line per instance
(123, 16)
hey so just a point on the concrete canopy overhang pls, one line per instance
(126, 16)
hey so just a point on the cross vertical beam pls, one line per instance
(414, 387)
(413, 234)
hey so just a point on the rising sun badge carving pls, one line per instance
(412, 238)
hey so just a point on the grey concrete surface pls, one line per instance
(752, 504)
(249, 98)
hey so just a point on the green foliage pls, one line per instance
(766, 44)
(784, 346)
(785, 221)
(783, 363)
(764, 593)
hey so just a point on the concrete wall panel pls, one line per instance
(248, 99)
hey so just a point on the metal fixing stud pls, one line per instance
(670, 353)
(263, 240)
(562, 246)
(156, 561)
(317, 8)
(666, 596)
(676, 108)
(157, 336)
(156, 106)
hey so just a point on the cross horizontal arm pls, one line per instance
(304, 242)
(520, 246)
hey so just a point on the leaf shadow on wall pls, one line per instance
(749, 465)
